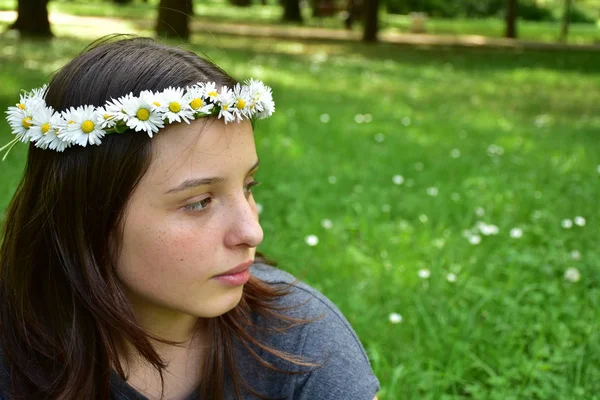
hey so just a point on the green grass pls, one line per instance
(508, 138)
(219, 11)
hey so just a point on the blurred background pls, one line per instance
(433, 167)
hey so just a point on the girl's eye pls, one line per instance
(249, 186)
(199, 205)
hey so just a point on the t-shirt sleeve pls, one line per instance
(346, 373)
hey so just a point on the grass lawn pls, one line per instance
(451, 189)
(211, 11)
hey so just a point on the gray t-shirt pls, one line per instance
(346, 374)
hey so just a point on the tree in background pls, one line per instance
(241, 3)
(174, 19)
(511, 19)
(32, 19)
(371, 19)
(564, 29)
(291, 11)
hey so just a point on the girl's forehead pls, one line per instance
(184, 151)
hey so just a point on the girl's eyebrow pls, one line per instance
(195, 182)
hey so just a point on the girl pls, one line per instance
(128, 266)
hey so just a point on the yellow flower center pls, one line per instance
(156, 103)
(45, 128)
(240, 104)
(225, 107)
(196, 103)
(212, 94)
(175, 107)
(21, 106)
(26, 123)
(143, 114)
(87, 126)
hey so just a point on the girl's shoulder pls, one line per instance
(329, 340)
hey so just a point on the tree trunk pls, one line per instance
(32, 19)
(564, 30)
(511, 19)
(174, 19)
(371, 16)
(241, 3)
(291, 11)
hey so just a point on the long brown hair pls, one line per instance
(62, 306)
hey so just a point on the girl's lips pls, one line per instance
(236, 279)
(240, 268)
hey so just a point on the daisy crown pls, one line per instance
(32, 120)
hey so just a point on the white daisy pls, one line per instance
(195, 97)
(52, 141)
(81, 126)
(242, 102)
(263, 97)
(114, 111)
(226, 100)
(311, 240)
(44, 121)
(395, 318)
(141, 114)
(174, 106)
(424, 273)
(105, 119)
(20, 117)
(210, 91)
(572, 274)
(516, 233)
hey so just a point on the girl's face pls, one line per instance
(192, 217)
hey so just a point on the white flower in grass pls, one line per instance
(311, 240)
(398, 179)
(195, 97)
(572, 274)
(474, 239)
(516, 233)
(324, 118)
(327, 223)
(487, 229)
(142, 115)
(395, 318)
(173, 105)
(576, 255)
(432, 191)
(81, 126)
(566, 223)
(451, 277)
(579, 221)
(424, 273)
